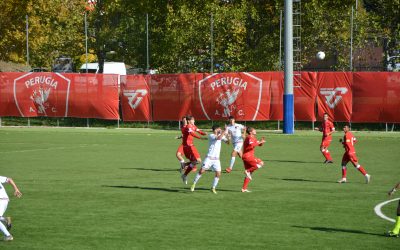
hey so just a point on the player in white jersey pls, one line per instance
(235, 132)
(212, 159)
(3, 206)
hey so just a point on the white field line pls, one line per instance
(378, 210)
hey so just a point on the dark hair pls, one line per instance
(346, 125)
(189, 117)
(249, 129)
(183, 117)
(231, 117)
(214, 127)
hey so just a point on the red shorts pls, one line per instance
(326, 141)
(180, 149)
(349, 156)
(251, 162)
(191, 153)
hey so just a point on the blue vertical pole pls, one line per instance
(288, 101)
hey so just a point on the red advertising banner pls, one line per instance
(135, 98)
(304, 97)
(334, 95)
(59, 95)
(376, 97)
(171, 96)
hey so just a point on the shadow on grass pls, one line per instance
(291, 161)
(172, 189)
(339, 230)
(155, 169)
(301, 180)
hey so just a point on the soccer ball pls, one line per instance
(320, 55)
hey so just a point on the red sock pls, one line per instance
(344, 170)
(188, 170)
(328, 155)
(324, 154)
(245, 183)
(362, 170)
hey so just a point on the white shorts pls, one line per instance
(237, 146)
(214, 165)
(3, 206)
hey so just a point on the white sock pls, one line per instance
(4, 229)
(196, 179)
(182, 161)
(215, 182)
(232, 162)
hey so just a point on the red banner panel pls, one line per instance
(334, 95)
(59, 95)
(219, 95)
(171, 96)
(376, 97)
(135, 98)
(304, 97)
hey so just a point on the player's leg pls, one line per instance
(395, 232)
(237, 150)
(3, 228)
(217, 169)
(345, 160)
(179, 156)
(248, 164)
(356, 164)
(206, 166)
(324, 150)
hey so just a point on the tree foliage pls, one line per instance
(245, 32)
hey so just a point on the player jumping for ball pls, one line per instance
(395, 232)
(235, 131)
(212, 159)
(179, 153)
(327, 130)
(251, 163)
(348, 142)
(3, 206)
(189, 149)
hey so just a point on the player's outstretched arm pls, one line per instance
(394, 189)
(17, 193)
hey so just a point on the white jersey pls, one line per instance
(214, 147)
(3, 194)
(235, 131)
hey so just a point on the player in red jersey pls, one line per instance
(251, 163)
(179, 152)
(189, 149)
(348, 142)
(327, 130)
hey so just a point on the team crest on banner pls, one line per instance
(225, 94)
(42, 94)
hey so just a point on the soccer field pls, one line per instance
(120, 189)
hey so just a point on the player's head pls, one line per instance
(184, 121)
(346, 128)
(231, 119)
(251, 131)
(326, 116)
(190, 119)
(216, 129)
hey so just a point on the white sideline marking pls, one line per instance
(378, 210)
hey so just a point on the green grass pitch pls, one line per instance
(120, 189)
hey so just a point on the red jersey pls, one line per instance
(348, 142)
(326, 128)
(188, 132)
(248, 146)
